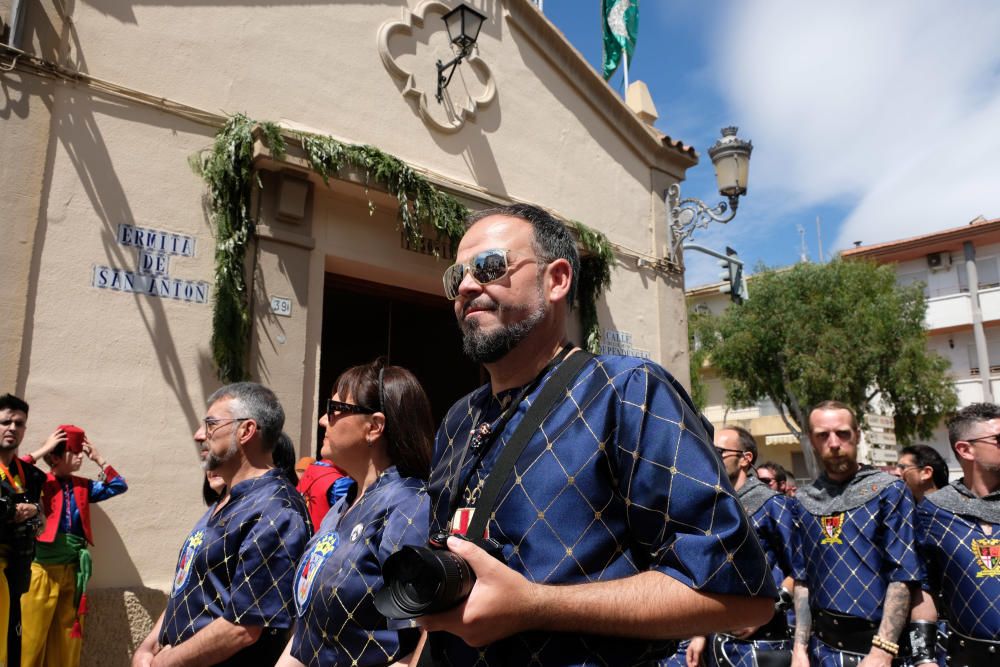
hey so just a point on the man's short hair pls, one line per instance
(834, 405)
(552, 239)
(926, 456)
(962, 422)
(747, 443)
(257, 402)
(13, 403)
(780, 476)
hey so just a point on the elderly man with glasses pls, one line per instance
(858, 565)
(958, 534)
(773, 517)
(616, 526)
(232, 599)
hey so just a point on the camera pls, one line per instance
(426, 580)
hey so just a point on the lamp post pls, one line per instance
(463, 25)
(731, 158)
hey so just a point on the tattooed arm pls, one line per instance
(895, 616)
(803, 625)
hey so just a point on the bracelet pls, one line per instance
(28, 458)
(885, 645)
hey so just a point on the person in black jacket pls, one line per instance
(20, 520)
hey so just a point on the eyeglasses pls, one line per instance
(765, 480)
(486, 267)
(212, 424)
(722, 451)
(903, 467)
(333, 408)
(993, 439)
(823, 436)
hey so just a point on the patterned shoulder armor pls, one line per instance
(824, 497)
(952, 500)
(754, 494)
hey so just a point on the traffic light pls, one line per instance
(732, 276)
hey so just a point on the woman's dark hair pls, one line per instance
(283, 457)
(409, 427)
(210, 495)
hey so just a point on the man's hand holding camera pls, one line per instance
(502, 601)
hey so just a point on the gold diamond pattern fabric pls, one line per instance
(239, 563)
(620, 478)
(341, 571)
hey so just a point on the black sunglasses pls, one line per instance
(334, 407)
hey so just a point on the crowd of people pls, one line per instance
(574, 510)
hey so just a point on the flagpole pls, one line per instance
(625, 63)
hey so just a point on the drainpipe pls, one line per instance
(982, 353)
(16, 22)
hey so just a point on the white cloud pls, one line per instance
(890, 108)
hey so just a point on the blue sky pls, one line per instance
(882, 119)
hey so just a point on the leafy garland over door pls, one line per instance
(227, 170)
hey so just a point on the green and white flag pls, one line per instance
(620, 20)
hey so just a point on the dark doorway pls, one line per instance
(363, 320)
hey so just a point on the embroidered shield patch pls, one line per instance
(988, 556)
(832, 525)
(194, 542)
(309, 566)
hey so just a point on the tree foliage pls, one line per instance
(843, 331)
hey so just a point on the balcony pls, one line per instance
(955, 310)
(971, 390)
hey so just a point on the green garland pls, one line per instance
(595, 277)
(227, 170)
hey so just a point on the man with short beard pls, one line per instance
(958, 535)
(232, 599)
(858, 565)
(617, 528)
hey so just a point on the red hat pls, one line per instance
(74, 438)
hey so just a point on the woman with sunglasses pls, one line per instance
(379, 430)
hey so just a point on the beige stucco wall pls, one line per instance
(135, 370)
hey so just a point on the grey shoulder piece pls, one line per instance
(824, 497)
(753, 495)
(958, 499)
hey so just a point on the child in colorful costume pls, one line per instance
(55, 603)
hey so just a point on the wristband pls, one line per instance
(28, 458)
(886, 645)
(923, 641)
(784, 602)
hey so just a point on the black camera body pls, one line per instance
(426, 580)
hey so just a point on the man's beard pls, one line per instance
(837, 465)
(486, 347)
(213, 461)
(13, 444)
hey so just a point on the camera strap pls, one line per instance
(553, 389)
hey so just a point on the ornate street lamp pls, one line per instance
(731, 158)
(463, 25)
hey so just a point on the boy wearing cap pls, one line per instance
(56, 601)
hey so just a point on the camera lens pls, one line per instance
(421, 581)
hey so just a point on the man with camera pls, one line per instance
(615, 530)
(20, 520)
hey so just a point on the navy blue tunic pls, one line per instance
(621, 478)
(850, 557)
(963, 564)
(341, 571)
(239, 563)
